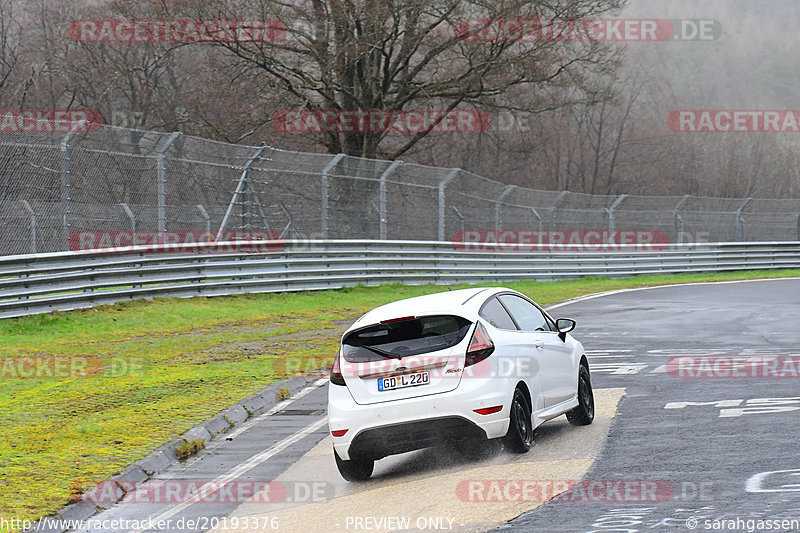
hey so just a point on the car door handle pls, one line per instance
(539, 345)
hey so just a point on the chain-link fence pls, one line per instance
(118, 186)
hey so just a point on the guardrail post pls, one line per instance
(498, 207)
(326, 194)
(678, 220)
(442, 207)
(206, 218)
(243, 187)
(131, 218)
(162, 184)
(610, 211)
(65, 185)
(554, 208)
(382, 213)
(28, 208)
(740, 219)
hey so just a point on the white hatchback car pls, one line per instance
(482, 363)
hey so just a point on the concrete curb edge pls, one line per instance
(166, 455)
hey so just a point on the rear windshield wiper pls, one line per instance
(382, 352)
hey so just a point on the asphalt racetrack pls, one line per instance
(697, 429)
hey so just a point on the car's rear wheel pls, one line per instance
(520, 430)
(356, 469)
(583, 414)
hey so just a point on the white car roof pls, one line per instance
(461, 302)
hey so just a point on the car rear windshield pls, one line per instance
(406, 337)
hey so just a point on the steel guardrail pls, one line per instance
(41, 283)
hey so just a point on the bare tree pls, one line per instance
(406, 54)
(9, 42)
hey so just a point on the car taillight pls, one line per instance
(480, 346)
(489, 410)
(336, 373)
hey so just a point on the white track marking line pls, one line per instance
(248, 424)
(620, 291)
(239, 470)
(279, 407)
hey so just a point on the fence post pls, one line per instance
(249, 189)
(553, 209)
(538, 218)
(326, 195)
(610, 211)
(65, 185)
(442, 185)
(162, 183)
(28, 208)
(460, 218)
(289, 223)
(382, 213)
(242, 187)
(498, 206)
(740, 219)
(678, 220)
(132, 218)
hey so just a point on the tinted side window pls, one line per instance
(525, 313)
(496, 315)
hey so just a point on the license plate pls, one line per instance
(406, 380)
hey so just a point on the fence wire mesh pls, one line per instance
(107, 186)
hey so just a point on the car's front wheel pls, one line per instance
(356, 469)
(520, 430)
(583, 414)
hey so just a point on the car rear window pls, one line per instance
(412, 336)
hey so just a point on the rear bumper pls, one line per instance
(387, 428)
(405, 437)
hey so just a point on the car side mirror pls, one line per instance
(564, 326)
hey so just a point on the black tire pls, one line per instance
(519, 438)
(356, 469)
(583, 414)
